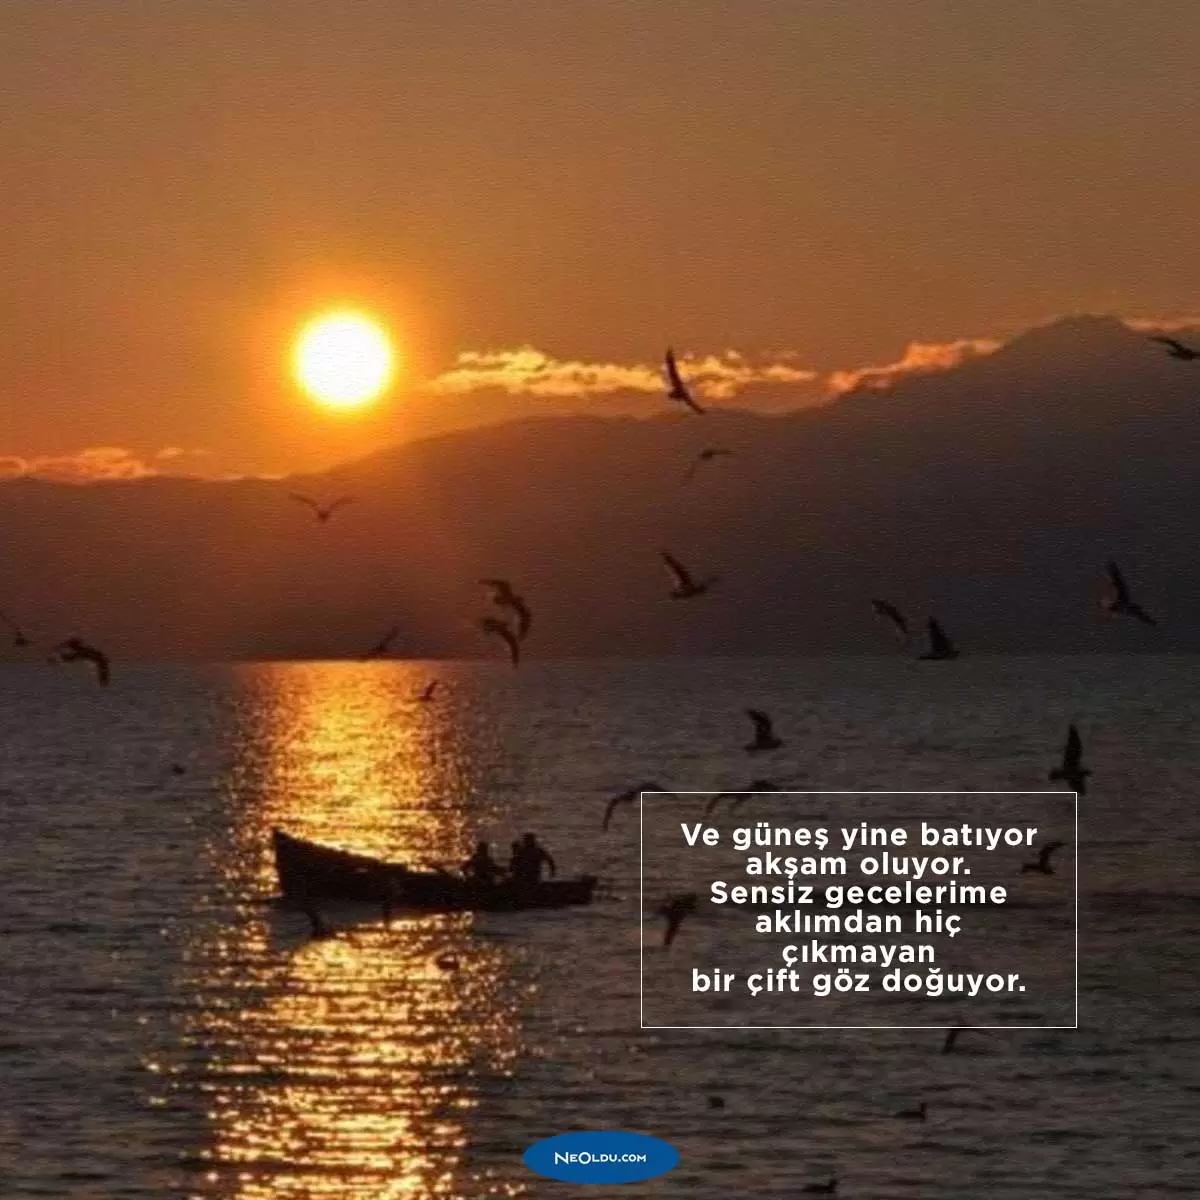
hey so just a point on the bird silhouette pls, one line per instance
(19, 640)
(76, 650)
(503, 596)
(891, 613)
(427, 692)
(685, 586)
(716, 1102)
(627, 797)
(705, 456)
(502, 630)
(1043, 865)
(764, 732)
(322, 511)
(914, 1114)
(941, 649)
(381, 647)
(1118, 602)
(675, 908)
(755, 786)
(676, 388)
(1177, 349)
(1072, 771)
(951, 1039)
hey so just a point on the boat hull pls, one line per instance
(309, 872)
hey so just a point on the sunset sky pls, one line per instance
(813, 185)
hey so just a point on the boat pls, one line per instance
(309, 871)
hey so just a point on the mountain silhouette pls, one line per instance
(990, 494)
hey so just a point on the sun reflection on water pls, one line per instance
(349, 1066)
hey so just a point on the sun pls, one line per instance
(344, 360)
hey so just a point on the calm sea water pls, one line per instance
(166, 1031)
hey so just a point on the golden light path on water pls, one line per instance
(347, 1066)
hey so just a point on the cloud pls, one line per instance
(1181, 324)
(919, 358)
(96, 464)
(529, 372)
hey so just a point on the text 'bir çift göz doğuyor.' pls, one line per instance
(930, 982)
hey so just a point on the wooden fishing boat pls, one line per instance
(309, 872)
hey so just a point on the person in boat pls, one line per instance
(481, 867)
(528, 858)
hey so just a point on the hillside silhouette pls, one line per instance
(990, 494)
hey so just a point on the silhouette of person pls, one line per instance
(528, 858)
(481, 867)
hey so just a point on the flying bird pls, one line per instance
(1043, 865)
(754, 787)
(19, 640)
(675, 908)
(705, 456)
(504, 632)
(1072, 771)
(940, 646)
(322, 511)
(427, 692)
(676, 388)
(381, 647)
(951, 1039)
(503, 596)
(685, 586)
(1118, 602)
(627, 797)
(764, 732)
(1177, 349)
(76, 650)
(891, 613)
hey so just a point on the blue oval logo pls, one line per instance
(606, 1156)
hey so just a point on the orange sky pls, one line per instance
(812, 185)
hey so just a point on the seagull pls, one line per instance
(504, 631)
(739, 798)
(685, 586)
(892, 613)
(503, 596)
(677, 389)
(940, 647)
(1177, 349)
(913, 1114)
(381, 647)
(628, 797)
(764, 732)
(76, 650)
(705, 456)
(756, 787)
(1043, 865)
(322, 511)
(821, 1189)
(428, 691)
(1072, 770)
(1118, 602)
(675, 909)
(19, 638)
(951, 1038)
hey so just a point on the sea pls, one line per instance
(167, 1029)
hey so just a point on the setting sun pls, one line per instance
(343, 359)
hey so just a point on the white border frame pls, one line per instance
(826, 792)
